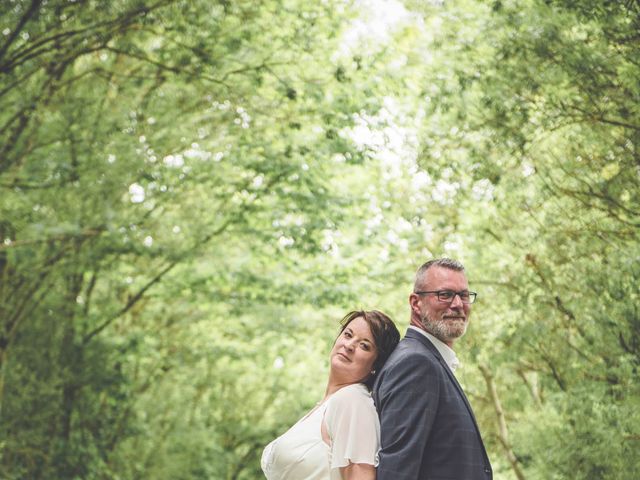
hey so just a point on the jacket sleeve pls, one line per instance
(407, 400)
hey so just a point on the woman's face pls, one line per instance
(354, 352)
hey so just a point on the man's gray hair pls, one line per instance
(449, 263)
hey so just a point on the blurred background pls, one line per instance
(193, 193)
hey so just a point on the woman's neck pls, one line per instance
(333, 385)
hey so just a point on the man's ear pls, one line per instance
(414, 303)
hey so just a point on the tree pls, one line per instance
(532, 115)
(139, 140)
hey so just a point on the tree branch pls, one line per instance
(35, 4)
(130, 303)
(503, 433)
(91, 232)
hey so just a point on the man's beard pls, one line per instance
(444, 330)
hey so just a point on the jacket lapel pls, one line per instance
(432, 348)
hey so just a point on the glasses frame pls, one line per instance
(472, 295)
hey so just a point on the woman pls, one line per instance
(339, 439)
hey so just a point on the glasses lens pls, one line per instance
(449, 295)
(446, 295)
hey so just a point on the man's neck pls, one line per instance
(445, 350)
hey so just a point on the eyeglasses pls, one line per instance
(449, 295)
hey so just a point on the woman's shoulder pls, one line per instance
(353, 426)
(356, 393)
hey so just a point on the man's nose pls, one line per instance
(457, 301)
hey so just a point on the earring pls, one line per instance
(373, 372)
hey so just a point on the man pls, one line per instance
(428, 431)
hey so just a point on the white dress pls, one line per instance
(354, 432)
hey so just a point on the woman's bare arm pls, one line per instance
(358, 471)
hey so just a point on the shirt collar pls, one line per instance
(450, 357)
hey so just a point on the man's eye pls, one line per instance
(447, 295)
(464, 296)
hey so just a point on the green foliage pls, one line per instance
(539, 126)
(194, 193)
(149, 151)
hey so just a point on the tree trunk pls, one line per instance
(503, 433)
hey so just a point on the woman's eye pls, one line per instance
(365, 346)
(347, 334)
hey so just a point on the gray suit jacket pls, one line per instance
(427, 425)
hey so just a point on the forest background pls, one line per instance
(193, 193)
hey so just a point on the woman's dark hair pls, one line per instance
(385, 335)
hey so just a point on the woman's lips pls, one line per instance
(344, 356)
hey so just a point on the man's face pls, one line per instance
(447, 321)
